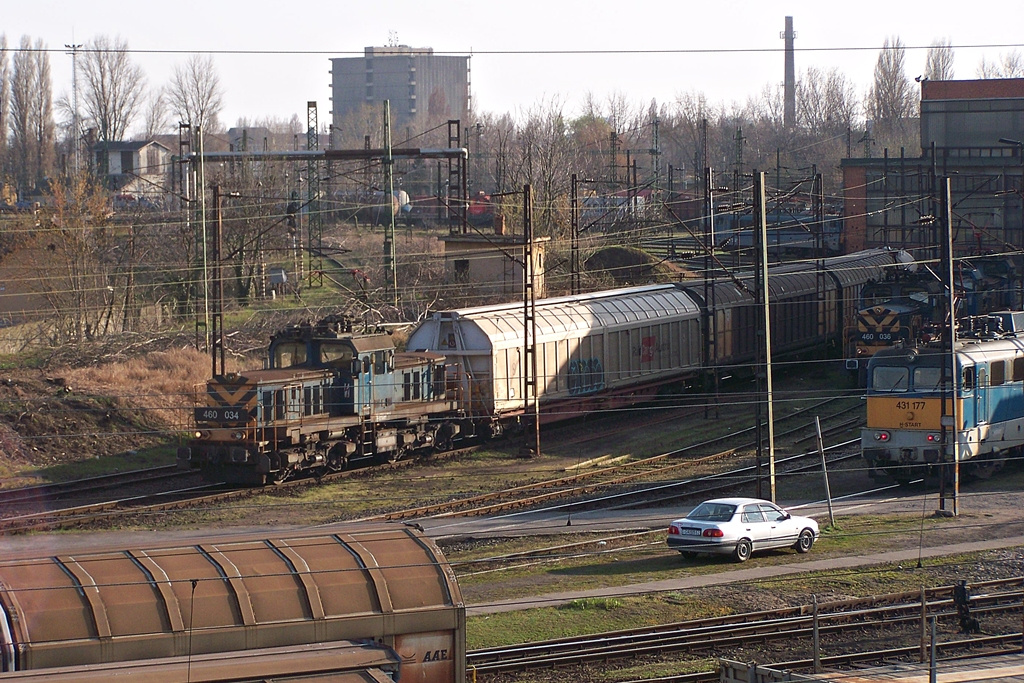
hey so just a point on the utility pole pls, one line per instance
(389, 236)
(711, 315)
(656, 158)
(217, 312)
(314, 221)
(531, 383)
(950, 424)
(75, 131)
(764, 366)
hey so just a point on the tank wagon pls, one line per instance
(387, 585)
(910, 430)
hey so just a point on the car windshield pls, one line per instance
(712, 512)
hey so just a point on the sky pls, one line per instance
(273, 57)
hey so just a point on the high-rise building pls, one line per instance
(422, 87)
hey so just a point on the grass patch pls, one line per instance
(585, 562)
(583, 617)
(144, 458)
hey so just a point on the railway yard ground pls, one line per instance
(608, 561)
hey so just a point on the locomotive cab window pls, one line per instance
(928, 379)
(887, 379)
(289, 354)
(337, 354)
(1018, 369)
(997, 373)
(381, 364)
(968, 382)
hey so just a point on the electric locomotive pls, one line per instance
(330, 398)
(910, 432)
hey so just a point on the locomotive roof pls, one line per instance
(274, 375)
(933, 354)
(332, 328)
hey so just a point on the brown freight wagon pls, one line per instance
(383, 584)
(337, 662)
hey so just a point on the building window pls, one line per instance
(127, 163)
(461, 270)
(152, 160)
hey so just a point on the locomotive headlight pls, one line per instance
(237, 436)
(934, 438)
(881, 436)
(200, 434)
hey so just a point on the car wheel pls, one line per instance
(688, 554)
(804, 541)
(742, 552)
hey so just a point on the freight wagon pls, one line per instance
(619, 345)
(383, 584)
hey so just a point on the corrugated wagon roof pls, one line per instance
(563, 315)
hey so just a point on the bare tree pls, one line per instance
(69, 256)
(5, 103)
(32, 127)
(891, 100)
(195, 93)
(1009, 65)
(826, 102)
(113, 87)
(939, 62)
(156, 116)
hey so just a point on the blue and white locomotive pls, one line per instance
(910, 409)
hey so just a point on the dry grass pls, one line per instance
(161, 382)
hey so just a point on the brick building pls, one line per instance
(971, 131)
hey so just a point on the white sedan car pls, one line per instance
(740, 526)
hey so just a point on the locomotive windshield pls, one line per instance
(887, 378)
(900, 378)
(336, 353)
(928, 379)
(289, 355)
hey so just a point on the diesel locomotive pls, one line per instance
(332, 396)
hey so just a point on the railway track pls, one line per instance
(574, 485)
(624, 474)
(76, 487)
(195, 496)
(720, 634)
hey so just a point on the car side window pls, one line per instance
(773, 514)
(752, 514)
